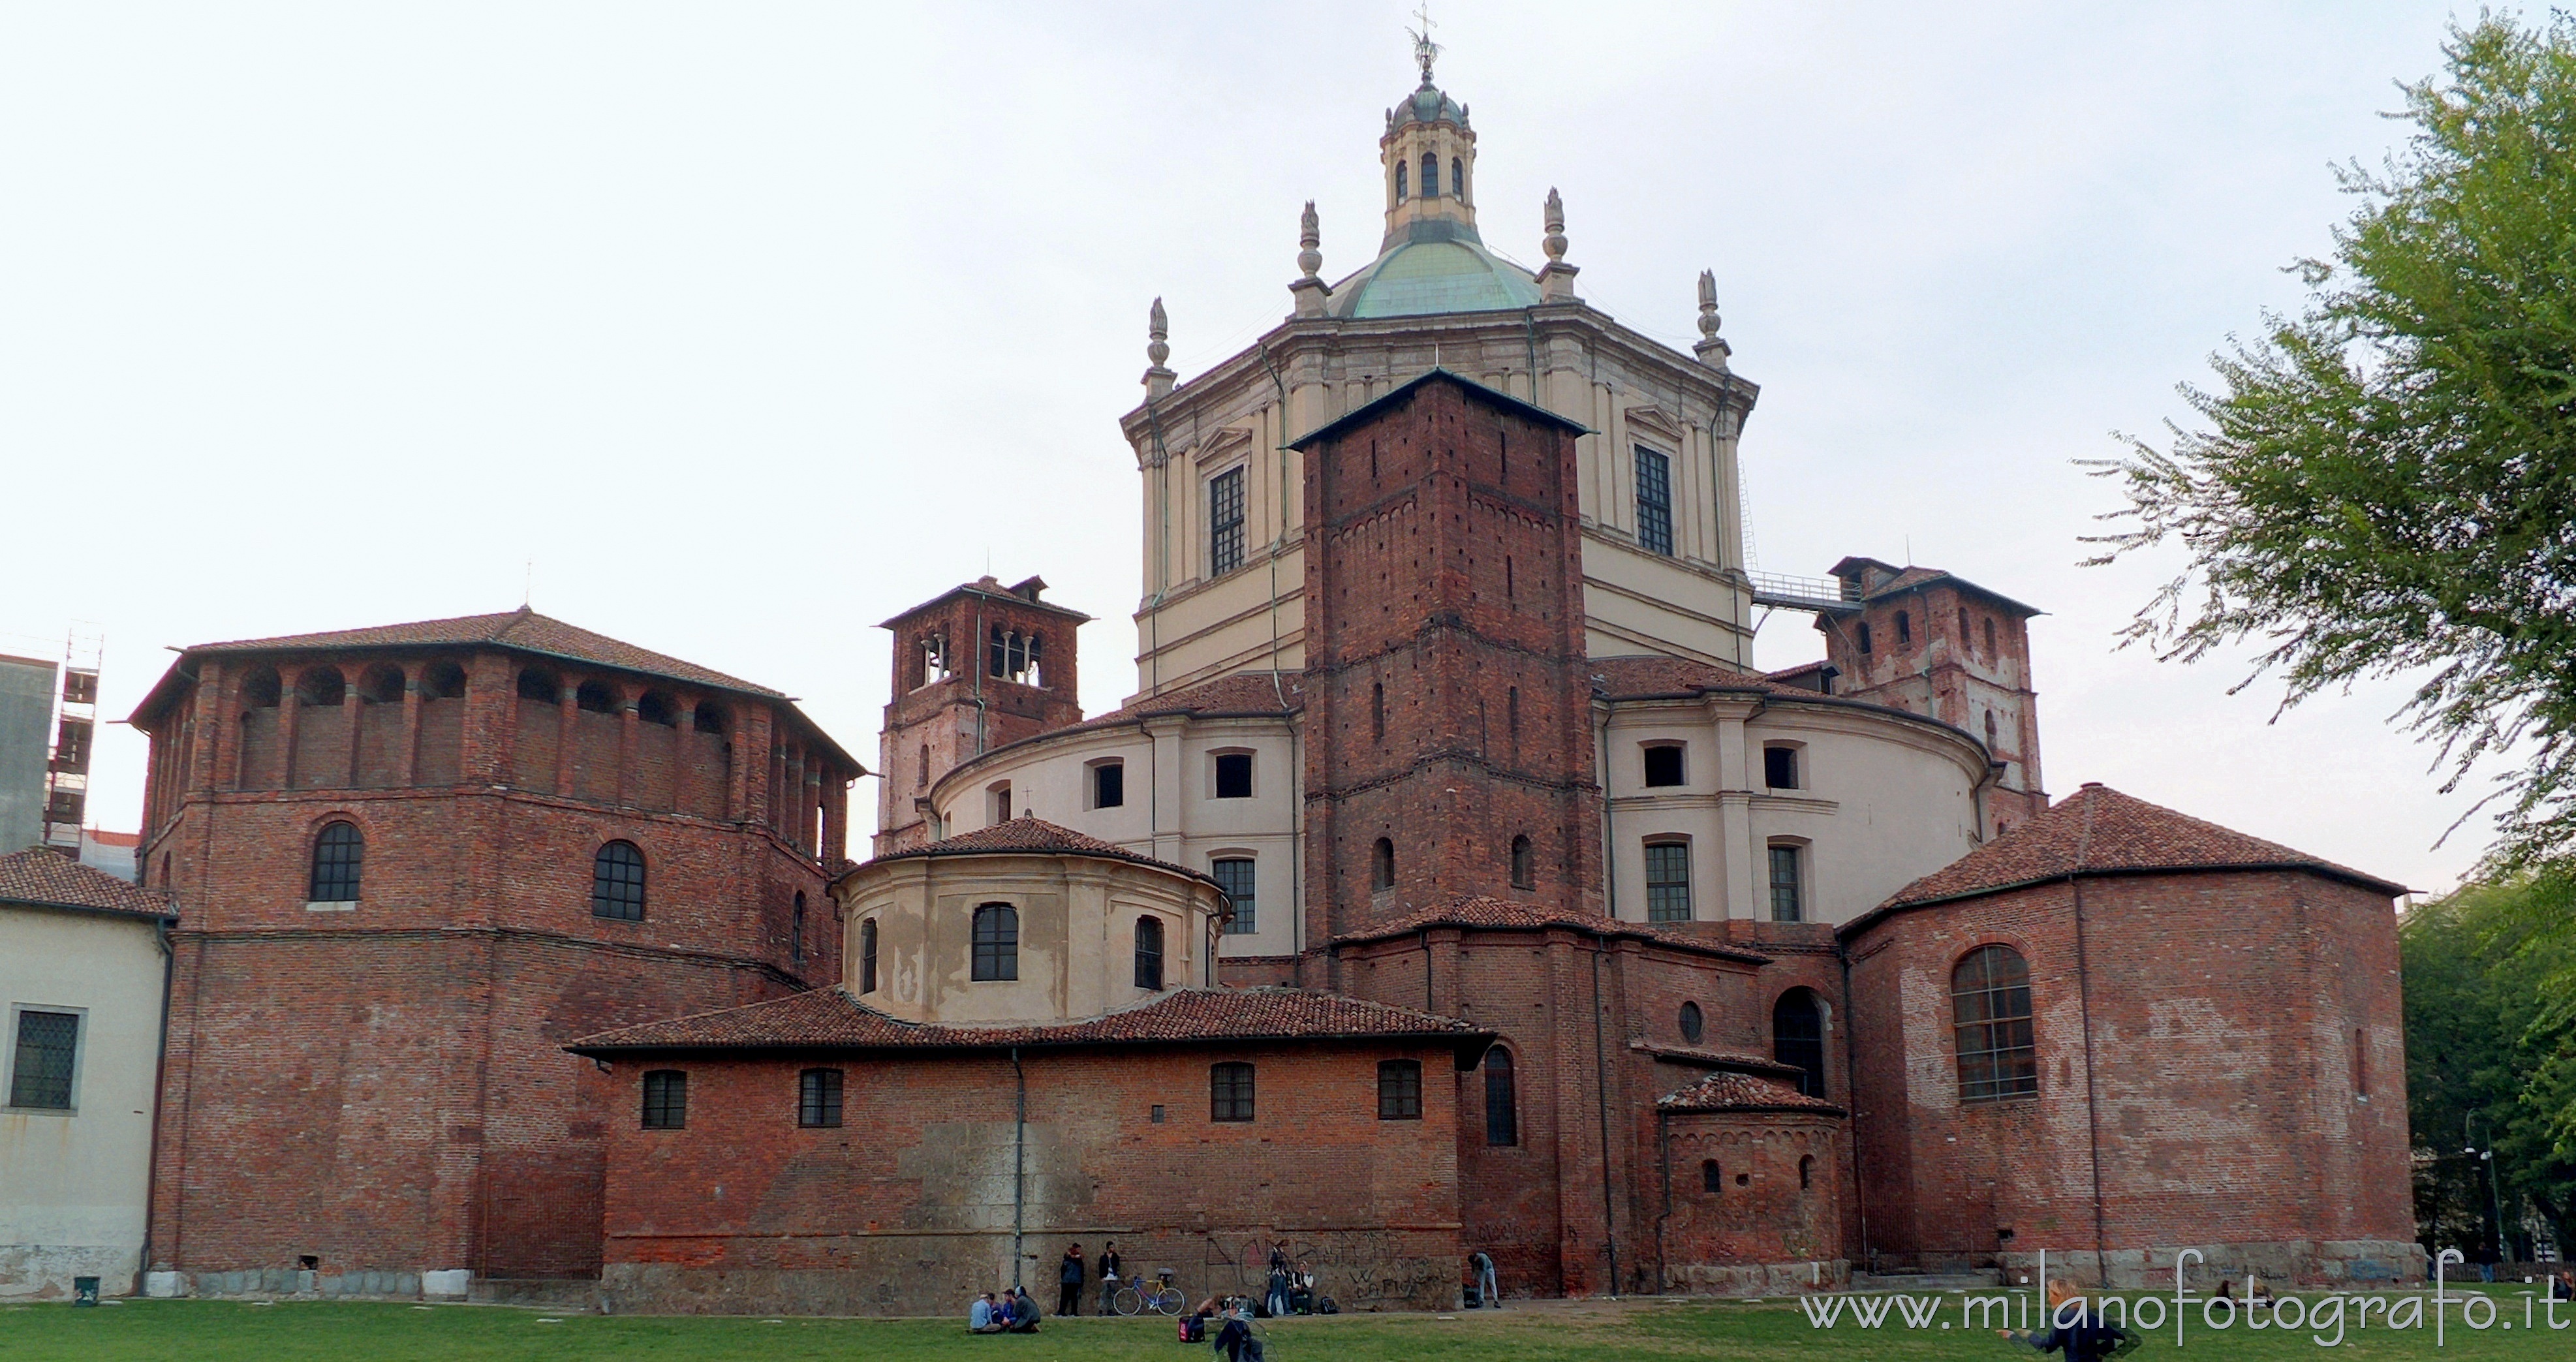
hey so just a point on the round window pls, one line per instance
(1693, 1024)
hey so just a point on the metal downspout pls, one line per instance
(160, 1073)
(1019, 1164)
(1664, 1157)
(1851, 1095)
(2092, 1107)
(1601, 1089)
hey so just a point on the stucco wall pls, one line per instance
(72, 1185)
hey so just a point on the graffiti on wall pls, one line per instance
(1350, 1265)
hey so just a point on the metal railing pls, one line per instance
(1803, 593)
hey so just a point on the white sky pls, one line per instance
(752, 325)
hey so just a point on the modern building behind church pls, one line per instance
(1452, 881)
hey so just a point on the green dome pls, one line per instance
(1440, 268)
(1427, 105)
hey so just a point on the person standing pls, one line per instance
(1110, 1271)
(1488, 1291)
(1068, 1282)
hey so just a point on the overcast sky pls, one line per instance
(752, 325)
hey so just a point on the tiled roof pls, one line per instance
(521, 628)
(1908, 578)
(37, 875)
(2098, 831)
(1636, 678)
(1740, 1060)
(1031, 836)
(1024, 595)
(1255, 694)
(1492, 914)
(830, 1018)
(1724, 1091)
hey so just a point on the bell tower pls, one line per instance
(1429, 160)
(974, 668)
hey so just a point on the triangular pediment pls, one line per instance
(1656, 420)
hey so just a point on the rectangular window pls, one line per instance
(1225, 522)
(1109, 785)
(1654, 501)
(1788, 901)
(666, 1100)
(1230, 1092)
(40, 1073)
(1234, 875)
(1664, 764)
(1668, 882)
(818, 1098)
(1399, 1090)
(1234, 775)
(1780, 767)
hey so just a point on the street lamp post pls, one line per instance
(2495, 1185)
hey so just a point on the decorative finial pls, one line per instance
(1310, 236)
(1712, 348)
(1555, 226)
(1425, 51)
(1556, 278)
(1158, 380)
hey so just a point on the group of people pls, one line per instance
(1006, 1312)
(1072, 1271)
(1234, 1337)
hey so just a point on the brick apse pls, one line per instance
(410, 863)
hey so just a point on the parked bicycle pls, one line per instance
(1138, 1296)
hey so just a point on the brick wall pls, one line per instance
(2224, 1011)
(908, 1206)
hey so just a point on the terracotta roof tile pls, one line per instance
(37, 875)
(522, 629)
(1632, 678)
(2098, 830)
(1033, 836)
(1743, 1061)
(1492, 914)
(831, 1018)
(1725, 1091)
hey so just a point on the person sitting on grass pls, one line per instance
(980, 1316)
(1235, 1340)
(1024, 1312)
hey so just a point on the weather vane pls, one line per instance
(1425, 51)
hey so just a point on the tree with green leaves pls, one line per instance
(2387, 482)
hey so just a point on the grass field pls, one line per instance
(224, 1331)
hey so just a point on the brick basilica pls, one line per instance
(1452, 881)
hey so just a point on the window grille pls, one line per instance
(1149, 952)
(1399, 1090)
(1654, 502)
(1225, 522)
(617, 882)
(338, 855)
(1668, 882)
(1990, 1012)
(1788, 895)
(1502, 1102)
(1234, 875)
(818, 1098)
(997, 942)
(666, 1100)
(1230, 1092)
(40, 1074)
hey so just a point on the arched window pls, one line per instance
(321, 686)
(1711, 1178)
(1990, 730)
(1149, 952)
(1457, 179)
(1400, 182)
(1502, 1101)
(1524, 863)
(1230, 1092)
(1668, 882)
(796, 931)
(1235, 875)
(338, 855)
(1864, 636)
(708, 717)
(1990, 638)
(1964, 639)
(1382, 865)
(1806, 1171)
(1377, 711)
(1512, 719)
(1399, 1090)
(443, 681)
(260, 690)
(666, 1100)
(598, 697)
(921, 773)
(868, 956)
(1904, 628)
(1990, 1013)
(1788, 883)
(655, 707)
(1798, 1037)
(617, 882)
(997, 942)
(1694, 1023)
(1430, 176)
(537, 685)
(818, 1098)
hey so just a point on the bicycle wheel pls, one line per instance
(1166, 1301)
(1127, 1301)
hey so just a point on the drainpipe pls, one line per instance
(1425, 937)
(2092, 1108)
(1601, 1089)
(1851, 1095)
(1019, 1164)
(1663, 1156)
(160, 1068)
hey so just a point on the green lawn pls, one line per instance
(224, 1331)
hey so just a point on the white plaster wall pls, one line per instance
(72, 1187)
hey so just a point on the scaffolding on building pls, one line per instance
(75, 739)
